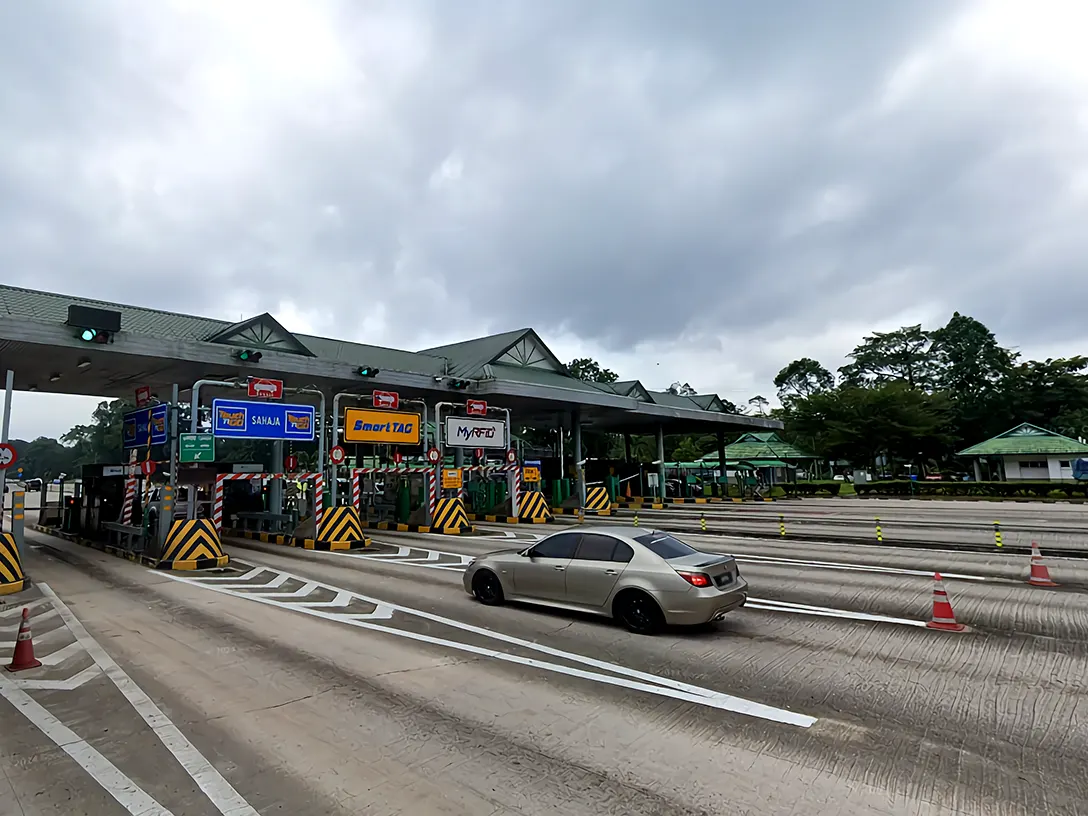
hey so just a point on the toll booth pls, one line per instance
(397, 495)
(101, 501)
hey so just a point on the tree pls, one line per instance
(802, 378)
(903, 354)
(760, 403)
(45, 458)
(589, 370)
(969, 362)
(1051, 394)
(100, 440)
(678, 389)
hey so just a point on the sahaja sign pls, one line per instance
(470, 432)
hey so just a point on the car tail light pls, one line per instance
(696, 579)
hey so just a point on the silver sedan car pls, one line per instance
(643, 578)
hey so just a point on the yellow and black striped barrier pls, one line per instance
(597, 501)
(643, 505)
(879, 531)
(450, 518)
(782, 526)
(192, 545)
(702, 521)
(636, 518)
(533, 508)
(12, 578)
(997, 534)
(340, 526)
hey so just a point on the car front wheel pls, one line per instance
(487, 589)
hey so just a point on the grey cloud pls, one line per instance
(629, 172)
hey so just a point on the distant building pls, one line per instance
(1025, 452)
(766, 452)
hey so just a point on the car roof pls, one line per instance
(627, 531)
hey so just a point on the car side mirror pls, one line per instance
(526, 553)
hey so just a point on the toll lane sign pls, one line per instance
(144, 427)
(368, 426)
(241, 419)
(196, 448)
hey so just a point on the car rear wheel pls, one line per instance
(639, 613)
(487, 588)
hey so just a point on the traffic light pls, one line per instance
(95, 336)
(459, 385)
(368, 371)
(248, 356)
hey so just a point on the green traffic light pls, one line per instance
(88, 335)
(243, 355)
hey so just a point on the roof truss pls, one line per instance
(528, 351)
(262, 332)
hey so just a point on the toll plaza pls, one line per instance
(425, 441)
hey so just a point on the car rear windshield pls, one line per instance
(665, 545)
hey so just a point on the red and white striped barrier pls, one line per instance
(130, 501)
(430, 484)
(316, 478)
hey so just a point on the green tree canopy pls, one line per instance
(802, 378)
(900, 355)
(589, 370)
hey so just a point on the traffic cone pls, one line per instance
(1040, 575)
(943, 616)
(628, 491)
(23, 656)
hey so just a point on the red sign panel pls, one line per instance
(476, 408)
(389, 400)
(397, 458)
(290, 463)
(7, 456)
(260, 388)
(147, 468)
(143, 396)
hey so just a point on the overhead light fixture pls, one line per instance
(84, 363)
(368, 371)
(54, 377)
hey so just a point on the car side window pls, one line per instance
(596, 547)
(557, 546)
(622, 553)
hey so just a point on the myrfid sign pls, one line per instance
(470, 432)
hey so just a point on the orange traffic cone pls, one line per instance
(628, 490)
(943, 616)
(1040, 575)
(23, 656)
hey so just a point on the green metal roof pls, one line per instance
(1026, 439)
(760, 446)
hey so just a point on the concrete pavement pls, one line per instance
(353, 683)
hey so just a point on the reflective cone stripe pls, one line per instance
(943, 616)
(23, 655)
(1040, 575)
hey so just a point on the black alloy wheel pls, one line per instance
(487, 588)
(640, 614)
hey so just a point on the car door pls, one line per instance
(542, 574)
(595, 568)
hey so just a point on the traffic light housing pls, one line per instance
(459, 385)
(248, 356)
(368, 371)
(95, 336)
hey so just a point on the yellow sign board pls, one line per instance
(530, 474)
(381, 427)
(451, 478)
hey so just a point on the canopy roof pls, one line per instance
(1027, 440)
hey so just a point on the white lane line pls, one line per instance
(71, 684)
(660, 685)
(342, 599)
(59, 656)
(301, 592)
(826, 612)
(277, 581)
(17, 610)
(40, 638)
(125, 792)
(14, 624)
(244, 577)
(222, 794)
(673, 689)
(837, 565)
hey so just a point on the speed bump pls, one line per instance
(193, 545)
(11, 568)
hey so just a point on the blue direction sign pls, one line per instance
(242, 419)
(146, 426)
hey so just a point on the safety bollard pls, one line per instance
(997, 534)
(879, 531)
(782, 525)
(702, 521)
(636, 518)
(581, 515)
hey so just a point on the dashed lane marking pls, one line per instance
(606, 673)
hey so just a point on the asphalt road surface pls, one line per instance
(349, 683)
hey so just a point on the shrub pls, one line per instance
(982, 490)
(794, 489)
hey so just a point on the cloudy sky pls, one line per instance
(696, 191)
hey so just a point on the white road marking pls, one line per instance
(16, 611)
(60, 655)
(836, 565)
(14, 624)
(125, 792)
(826, 612)
(71, 684)
(221, 793)
(629, 678)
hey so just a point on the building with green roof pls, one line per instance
(1026, 452)
(764, 450)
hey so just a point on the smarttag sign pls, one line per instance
(240, 419)
(144, 427)
(381, 427)
(469, 432)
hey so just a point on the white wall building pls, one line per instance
(1026, 452)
